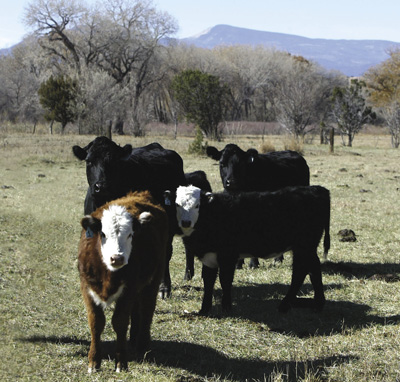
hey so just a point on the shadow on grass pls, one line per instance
(206, 362)
(385, 271)
(259, 303)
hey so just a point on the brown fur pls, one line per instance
(141, 276)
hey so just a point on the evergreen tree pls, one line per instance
(57, 96)
(202, 99)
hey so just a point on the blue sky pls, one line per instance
(333, 19)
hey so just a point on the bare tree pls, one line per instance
(120, 37)
(350, 111)
(391, 114)
(301, 96)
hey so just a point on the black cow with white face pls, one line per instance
(112, 171)
(220, 228)
(250, 171)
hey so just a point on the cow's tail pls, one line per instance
(327, 215)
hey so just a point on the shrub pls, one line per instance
(197, 147)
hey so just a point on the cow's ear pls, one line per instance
(79, 152)
(91, 225)
(252, 155)
(126, 152)
(167, 198)
(213, 153)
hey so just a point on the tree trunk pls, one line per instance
(51, 127)
(176, 125)
(350, 140)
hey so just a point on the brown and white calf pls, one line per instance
(121, 259)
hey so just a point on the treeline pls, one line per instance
(116, 63)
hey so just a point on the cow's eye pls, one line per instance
(130, 236)
(197, 206)
(102, 235)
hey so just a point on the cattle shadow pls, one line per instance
(388, 272)
(259, 303)
(206, 362)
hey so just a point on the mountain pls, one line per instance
(351, 57)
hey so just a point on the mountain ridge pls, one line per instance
(351, 57)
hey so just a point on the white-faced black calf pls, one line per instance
(121, 259)
(220, 228)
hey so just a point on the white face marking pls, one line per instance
(104, 304)
(187, 208)
(116, 242)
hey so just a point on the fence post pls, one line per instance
(108, 129)
(331, 139)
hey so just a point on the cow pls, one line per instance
(112, 171)
(220, 228)
(121, 259)
(250, 171)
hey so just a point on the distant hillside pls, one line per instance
(351, 57)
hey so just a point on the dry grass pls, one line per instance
(44, 333)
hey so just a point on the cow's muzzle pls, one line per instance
(186, 223)
(117, 260)
(98, 187)
(231, 184)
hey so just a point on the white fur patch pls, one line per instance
(210, 260)
(116, 235)
(145, 217)
(104, 304)
(187, 208)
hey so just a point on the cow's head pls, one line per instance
(116, 228)
(187, 202)
(103, 161)
(233, 165)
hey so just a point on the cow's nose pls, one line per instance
(117, 260)
(98, 187)
(230, 183)
(186, 223)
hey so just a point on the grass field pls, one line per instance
(44, 334)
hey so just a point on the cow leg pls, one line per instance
(299, 273)
(189, 271)
(254, 263)
(142, 317)
(120, 322)
(239, 264)
(209, 276)
(226, 273)
(165, 286)
(316, 281)
(278, 260)
(97, 321)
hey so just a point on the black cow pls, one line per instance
(250, 171)
(112, 171)
(220, 228)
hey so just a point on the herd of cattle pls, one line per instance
(138, 199)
